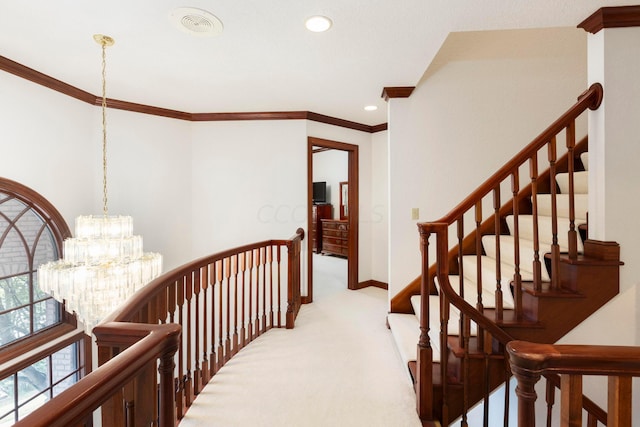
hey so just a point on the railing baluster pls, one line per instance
(619, 401)
(181, 373)
(213, 357)
(264, 294)
(479, 287)
(555, 248)
(444, 355)
(220, 284)
(268, 260)
(466, 369)
(486, 380)
(461, 320)
(236, 337)
(227, 280)
(517, 278)
(551, 400)
(498, 295)
(279, 287)
(507, 402)
(197, 372)
(204, 365)
(259, 284)
(478, 218)
(537, 266)
(250, 314)
(243, 270)
(573, 235)
(188, 335)
(571, 398)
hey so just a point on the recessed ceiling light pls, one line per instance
(196, 22)
(371, 108)
(318, 23)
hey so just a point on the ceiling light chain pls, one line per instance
(104, 263)
(104, 41)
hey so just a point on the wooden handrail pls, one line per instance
(591, 99)
(192, 319)
(73, 405)
(133, 306)
(529, 361)
(223, 301)
(489, 329)
(575, 359)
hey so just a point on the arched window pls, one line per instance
(31, 233)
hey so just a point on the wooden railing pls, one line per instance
(530, 361)
(193, 320)
(449, 261)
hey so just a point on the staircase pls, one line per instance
(526, 271)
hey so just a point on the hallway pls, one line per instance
(337, 367)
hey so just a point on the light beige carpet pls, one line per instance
(337, 367)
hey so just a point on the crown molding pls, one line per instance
(397, 92)
(44, 80)
(612, 17)
(72, 91)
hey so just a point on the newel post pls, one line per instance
(527, 377)
(293, 277)
(424, 368)
(166, 370)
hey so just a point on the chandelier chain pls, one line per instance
(104, 129)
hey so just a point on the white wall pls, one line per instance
(249, 182)
(488, 96)
(45, 144)
(378, 218)
(149, 179)
(53, 144)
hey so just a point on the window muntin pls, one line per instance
(26, 241)
(29, 388)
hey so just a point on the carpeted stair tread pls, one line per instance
(471, 291)
(581, 202)
(453, 326)
(580, 182)
(489, 276)
(405, 330)
(507, 253)
(545, 236)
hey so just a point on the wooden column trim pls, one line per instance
(397, 92)
(612, 17)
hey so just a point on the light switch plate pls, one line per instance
(415, 213)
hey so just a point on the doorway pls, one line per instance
(351, 205)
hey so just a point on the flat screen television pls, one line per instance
(319, 192)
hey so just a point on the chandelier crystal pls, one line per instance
(104, 264)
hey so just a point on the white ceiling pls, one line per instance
(264, 60)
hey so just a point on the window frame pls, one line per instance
(60, 231)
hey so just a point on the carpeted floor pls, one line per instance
(337, 367)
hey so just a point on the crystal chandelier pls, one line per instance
(104, 264)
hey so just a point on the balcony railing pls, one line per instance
(159, 350)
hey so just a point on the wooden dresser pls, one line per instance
(335, 237)
(319, 213)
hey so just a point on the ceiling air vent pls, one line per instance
(196, 22)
